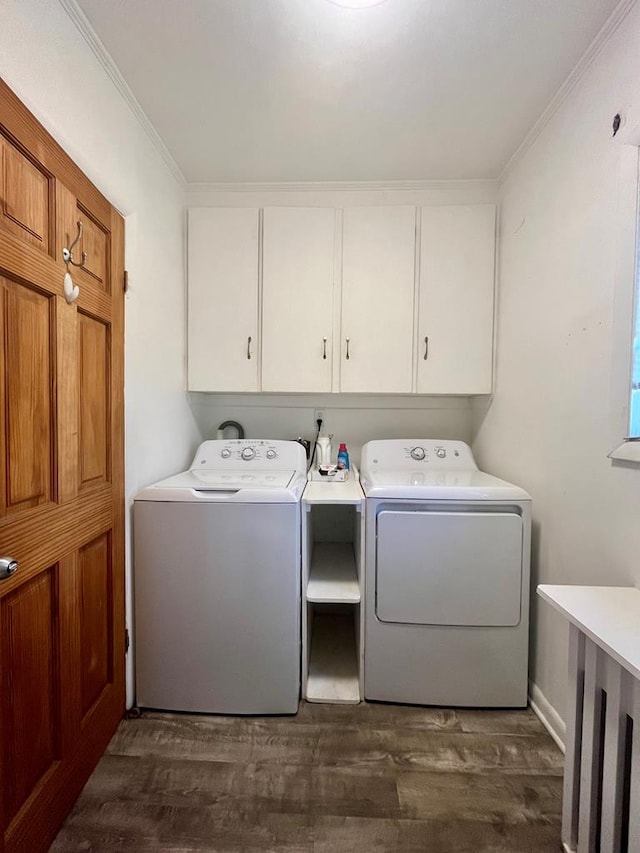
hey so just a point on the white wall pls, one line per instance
(352, 418)
(548, 426)
(44, 59)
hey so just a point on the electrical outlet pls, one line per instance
(318, 415)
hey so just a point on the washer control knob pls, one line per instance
(248, 453)
(417, 453)
(271, 454)
(226, 453)
(441, 453)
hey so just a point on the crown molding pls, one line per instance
(91, 38)
(584, 64)
(343, 186)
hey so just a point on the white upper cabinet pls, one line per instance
(339, 308)
(297, 298)
(223, 299)
(378, 270)
(455, 327)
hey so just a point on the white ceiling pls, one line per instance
(303, 90)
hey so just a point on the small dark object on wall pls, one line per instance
(616, 123)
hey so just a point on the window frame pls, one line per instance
(626, 298)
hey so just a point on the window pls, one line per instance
(634, 402)
(625, 376)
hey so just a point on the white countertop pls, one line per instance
(608, 615)
(349, 492)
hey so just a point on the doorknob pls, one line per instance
(8, 567)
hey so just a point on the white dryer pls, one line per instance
(447, 556)
(217, 581)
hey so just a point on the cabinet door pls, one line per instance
(455, 343)
(378, 299)
(297, 298)
(223, 299)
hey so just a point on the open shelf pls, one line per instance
(333, 664)
(333, 576)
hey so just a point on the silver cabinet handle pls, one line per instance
(249, 347)
(348, 356)
(8, 567)
(426, 348)
(324, 348)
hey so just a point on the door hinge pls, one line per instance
(127, 640)
(125, 283)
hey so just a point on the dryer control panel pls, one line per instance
(409, 454)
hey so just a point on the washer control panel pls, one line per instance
(416, 455)
(251, 452)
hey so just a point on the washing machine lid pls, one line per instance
(240, 471)
(421, 484)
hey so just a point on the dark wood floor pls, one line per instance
(333, 778)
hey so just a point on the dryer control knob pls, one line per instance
(441, 453)
(226, 453)
(417, 453)
(271, 454)
(248, 453)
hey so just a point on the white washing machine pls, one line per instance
(447, 555)
(217, 581)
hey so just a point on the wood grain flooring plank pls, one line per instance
(358, 835)
(487, 797)
(141, 827)
(277, 742)
(349, 792)
(171, 782)
(196, 739)
(273, 788)
(381, 715)
(464, 753)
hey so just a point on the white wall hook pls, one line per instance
(71, 290)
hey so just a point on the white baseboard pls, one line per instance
(547, 714)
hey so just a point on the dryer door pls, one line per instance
(449, 568)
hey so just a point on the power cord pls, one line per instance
(319, 423)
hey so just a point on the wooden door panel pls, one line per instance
(68, 528)
(31, 709)
(24, 262)
(94, 401)
(95, 293)
(26, 194)
(27, 383)
(96, 623)
(95, 243)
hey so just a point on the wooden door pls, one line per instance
(455, 329)
(224, 348)
(61, 482)
(378, 281)
(297, 298)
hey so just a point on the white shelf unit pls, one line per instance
(332, 627)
